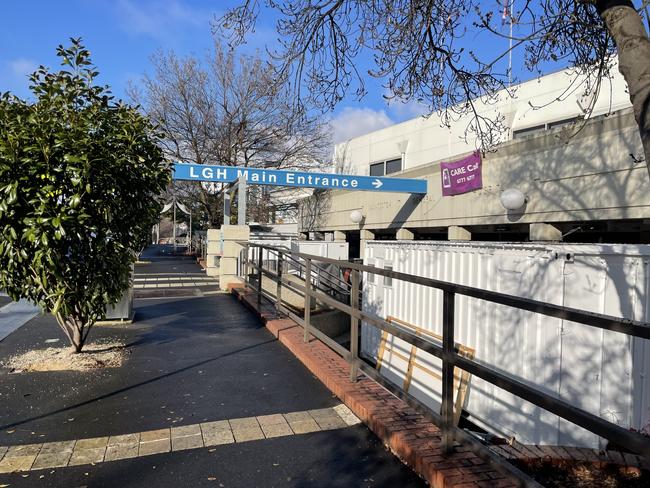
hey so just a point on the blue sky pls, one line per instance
(123, 34)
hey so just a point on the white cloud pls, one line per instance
(21, 67)
(407, 110)
(352, 122)
(14, 73)
(160, 19)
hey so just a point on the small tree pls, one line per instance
(79, 180)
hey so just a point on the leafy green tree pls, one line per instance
(80, 176)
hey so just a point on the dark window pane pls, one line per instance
(393, 166)
(561, 123)
(518, 134)
(377, 169)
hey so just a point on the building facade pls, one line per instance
(581, 180)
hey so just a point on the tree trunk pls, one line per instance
(77, 339)
(626, 27)
(73, 327)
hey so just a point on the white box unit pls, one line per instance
(325, 275)
(326, 249)
(269, 258)
(603, 372)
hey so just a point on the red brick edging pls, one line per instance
(407, 433)
(527, 453)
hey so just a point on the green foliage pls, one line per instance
(80, 176)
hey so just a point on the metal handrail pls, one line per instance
(335, 282)
(448, 354)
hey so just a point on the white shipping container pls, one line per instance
(330, 275)
(603, 372)
(326, 249)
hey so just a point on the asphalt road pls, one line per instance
(190, 360)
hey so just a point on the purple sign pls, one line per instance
(461, 176)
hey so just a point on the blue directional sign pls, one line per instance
(328, 181)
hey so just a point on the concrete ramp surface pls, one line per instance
(14, 315)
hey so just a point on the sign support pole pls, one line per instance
(226, 207)
(241, 201)
(174, 232)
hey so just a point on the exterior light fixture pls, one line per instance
(513, 199)
(356, 216)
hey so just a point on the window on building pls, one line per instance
(393, 166)
(388, 281)
(377, 169)
(561, 123)
(386, 167)
(518, 134)
(529, 131)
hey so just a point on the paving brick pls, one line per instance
(47, 460)
(274, 419)
(219, 425)
(94, 443)
(346, 414)
(56, 447)
(246, 429)
(276, 430)
(16, 463)
(155, 435)
(244, 423)
(154, 447)
(24, 450)
(218, 437)
(87, 456)
(248, 434)
(185, 430)
(187, 442)
(298, 417)
(124, 440)
(327, 419)
(304, 426)
(121, 451)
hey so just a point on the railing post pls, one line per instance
(259, 278)
(354, 325)
(448, 352)
(278, 289)
(307, 299)
(245, 264)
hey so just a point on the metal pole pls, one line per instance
(448, 353)
(259, 279)
(190, 230)
(307, 316)
(278, 289)
(174, 231)
(354, 326)
(246, 265)
(241, 202)
(226, 207)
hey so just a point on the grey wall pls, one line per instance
(590, 176)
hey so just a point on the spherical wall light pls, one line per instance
(512, 199)
(356, 216)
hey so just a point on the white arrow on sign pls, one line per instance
(377, 184)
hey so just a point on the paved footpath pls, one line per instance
(15, 314)
(206, 397)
